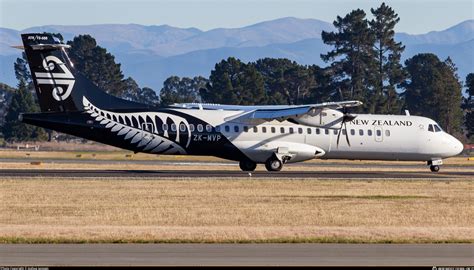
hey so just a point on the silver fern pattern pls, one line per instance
(144, 129)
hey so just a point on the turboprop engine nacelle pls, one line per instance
(324, 118)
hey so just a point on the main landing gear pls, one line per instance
(247, 165)
(273, 164)
(434, 164)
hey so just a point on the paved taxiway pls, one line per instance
(117, 174)
(238, 254)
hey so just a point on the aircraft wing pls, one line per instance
(268, 112)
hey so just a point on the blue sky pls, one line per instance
(417, 16)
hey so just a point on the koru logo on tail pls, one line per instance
(58, 80)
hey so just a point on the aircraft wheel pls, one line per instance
(247, 165)
(273, 165)
(434, 168)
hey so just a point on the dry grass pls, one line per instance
(98, 155)
(235, 210)
(183, 166)
(127, 155)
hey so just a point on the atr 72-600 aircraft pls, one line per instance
(272, 135)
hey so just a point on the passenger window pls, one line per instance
(326, 131)
(318, 131)
(236, 128)
(343, 132)
(300, 130)
(353, 132)
(208, 128)
(282, 130)
(191, 127)
(165, 127)
(227, 128)
(273, 129)
(379, 133)
(291, 130)
(387, 133)
(309, 130)
(369, 132)
(335, 132)
(173, 127)
(361, 132)
(200, 128)
(430, 128)
(437, 128)
(182, 127)
(246, 129)
(255, 129)
(264, 129)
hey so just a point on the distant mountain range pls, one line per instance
(150, 54)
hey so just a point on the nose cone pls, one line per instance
(459, 147)
(455, 147)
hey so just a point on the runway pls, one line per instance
(315, 165)
(237, 254)
(117, 174)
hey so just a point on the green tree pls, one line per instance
(143, 95)
(323, 91)
(433, 90)
(352, 56)
(234, 82)
(285, 81)
(14, 130)
(470, 85)
(97, 64)
(469, 105)
(22, 71)
(389, 72)
(182, 90)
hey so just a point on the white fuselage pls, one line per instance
(374, 137)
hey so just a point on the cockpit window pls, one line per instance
(437, 128)
(430, 128)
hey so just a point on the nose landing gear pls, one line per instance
(434, 164)
(434, 168)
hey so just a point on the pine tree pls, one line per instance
(389, 72)
(14, 130)
(433, 90)
(97, 64)
(234, 82)
(451, 98)
(285, 81)
(22, 72)
(469, 105)
(352, 57)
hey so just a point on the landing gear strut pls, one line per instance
(247, 165)
(273, 164)
(434, 168)
(434, 164)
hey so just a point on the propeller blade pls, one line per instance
(347, 134)
(338, 136)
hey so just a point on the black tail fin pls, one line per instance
(58, 85)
